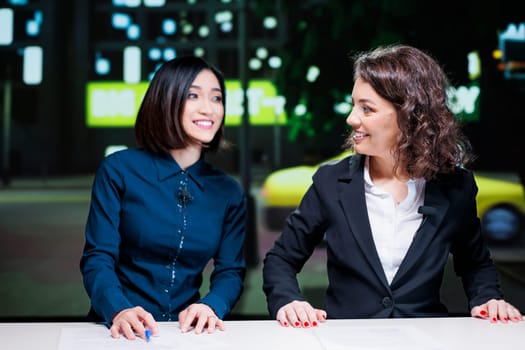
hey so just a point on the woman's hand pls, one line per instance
(495, 310)
(200, 316)
(300, 314)
(132, 322)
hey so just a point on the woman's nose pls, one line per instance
(206, 106)
(352, 118)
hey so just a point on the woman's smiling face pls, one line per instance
(203, 111)
(373, 119)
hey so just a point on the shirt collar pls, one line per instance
(167, 167)
(415, 186)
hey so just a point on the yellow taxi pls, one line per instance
(500, 201)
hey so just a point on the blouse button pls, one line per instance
(387, 302)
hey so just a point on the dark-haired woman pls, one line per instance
(160, 213)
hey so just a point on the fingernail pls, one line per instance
(297, 324)
(483, 313)
(306, 324)
(494, 319)
(314, 323)
(285, 324)
(324, 316)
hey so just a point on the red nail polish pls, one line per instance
(297, 323)
(494, 319)
(314, 323)
(285, 324)
(324, 316)
(483, 313)
(306, 324)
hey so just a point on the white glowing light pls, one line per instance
(204, 31)
(120, 20)
(187, 28)
(32, 66)
(169, 54)
(33, 25)
(39, 17)
(32, 28)
(223, 16)
(6, 26)
(270, 22)
(102, 66)
(514, 31)
(154, 54)
(169, 26)
(199, 52)
(132, 3)
(154, 3)
(474, 65)
(132, 64)
(226, 27)
(312, 74)
(262, 53)
(343, 108)
(275, 62)
(255, 64)
(133, 32)
(300, 110)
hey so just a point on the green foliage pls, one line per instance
(323, 34)
(327, 33)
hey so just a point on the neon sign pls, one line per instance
(115, 104)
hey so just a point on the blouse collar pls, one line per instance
(167, 167)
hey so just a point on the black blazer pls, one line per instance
(334, 208)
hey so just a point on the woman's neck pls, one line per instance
(188, 156)
(383, 169)
(382, 174)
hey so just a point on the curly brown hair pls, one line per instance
(430, 141)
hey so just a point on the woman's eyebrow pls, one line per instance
(200, 88)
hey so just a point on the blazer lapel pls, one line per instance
(352, 199)
(436, 204)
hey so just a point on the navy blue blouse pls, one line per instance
(151, 230)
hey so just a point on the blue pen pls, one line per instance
(147, 334)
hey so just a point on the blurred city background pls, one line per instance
(72, 75)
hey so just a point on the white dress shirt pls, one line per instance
(393, 226)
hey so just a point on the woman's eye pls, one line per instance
(217, 98)
(192, 95)
(366, 109)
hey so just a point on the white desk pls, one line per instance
(389, 334)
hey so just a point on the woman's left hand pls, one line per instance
(200, 316)
(495, 310)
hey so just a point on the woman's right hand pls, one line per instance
(300, 314)
(132, 322)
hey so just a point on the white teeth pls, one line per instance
(358, 134)
(204, 122)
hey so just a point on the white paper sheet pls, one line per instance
(248, 336)
(400, 337)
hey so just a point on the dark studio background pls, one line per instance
(49, 153)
